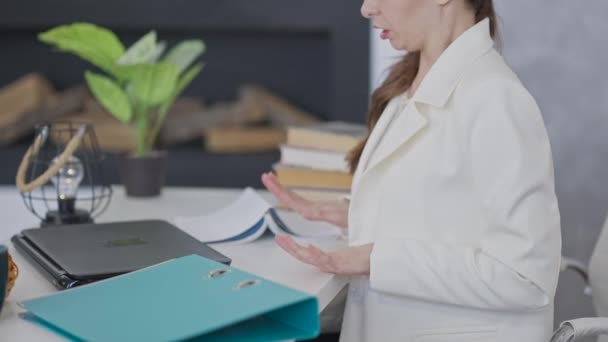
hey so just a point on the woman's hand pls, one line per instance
(348, 261)
(332, 212)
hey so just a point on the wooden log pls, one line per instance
(280, 112)
(23, 95)
(22, 119)
(182, 123)
(227, 127)
(17, 99)
(243, 139)
(188, 118)
(242, 136)
(112, 135)
(186, 121)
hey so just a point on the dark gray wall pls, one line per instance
(559, 50)
(314, 53)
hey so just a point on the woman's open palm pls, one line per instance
(332, 212)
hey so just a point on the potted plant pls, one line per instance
(138, 88)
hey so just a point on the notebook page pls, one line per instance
(292, 223)
(231, 221)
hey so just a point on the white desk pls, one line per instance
(262, 257)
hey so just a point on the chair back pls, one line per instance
(598, 279)
(598, 273)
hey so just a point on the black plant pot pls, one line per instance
(143, 176)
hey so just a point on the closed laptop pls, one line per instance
(71, 255)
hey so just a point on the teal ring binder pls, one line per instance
(169, 302)
(217, 273)
(247, 283)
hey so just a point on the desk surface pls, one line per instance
(262, 257)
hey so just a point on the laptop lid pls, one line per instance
(95, 251)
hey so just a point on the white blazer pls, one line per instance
(461, 208)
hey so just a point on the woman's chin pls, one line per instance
(397, 46)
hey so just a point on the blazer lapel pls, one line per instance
(441, 80)
(408, 124)
(377, 133)
(435, 90)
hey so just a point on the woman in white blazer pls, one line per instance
(453, 223)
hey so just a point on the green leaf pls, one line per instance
(125, 73)
(153, 84)
(187, 78)
(182, 83)
(142, 51)
(93, 43)
(160, 48)
(110, 95)
(185, 53)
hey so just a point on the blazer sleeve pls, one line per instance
(515, 264)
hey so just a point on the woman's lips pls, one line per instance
(384, 34)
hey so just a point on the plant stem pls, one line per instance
(142, 129)
(160, 120)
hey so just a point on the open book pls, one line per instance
(247, 218)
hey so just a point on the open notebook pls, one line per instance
(248, 218)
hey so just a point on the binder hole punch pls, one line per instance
(217, 273)
(246, 283)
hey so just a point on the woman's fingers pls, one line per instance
(322, 257)
(292, 248)
(325, 261)
(292, 200)
(310, 255)
(301, 253)
(273, 185)
(334, 213)
(347, 261)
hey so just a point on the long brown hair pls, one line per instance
(402, 75)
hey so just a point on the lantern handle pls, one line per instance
(69, 150)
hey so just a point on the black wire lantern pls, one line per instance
(61, 176)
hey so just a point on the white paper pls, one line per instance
(303, 227)
(228, 222)
(243, 214)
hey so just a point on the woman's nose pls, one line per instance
(368, 9)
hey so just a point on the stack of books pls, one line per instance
(313, 159)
